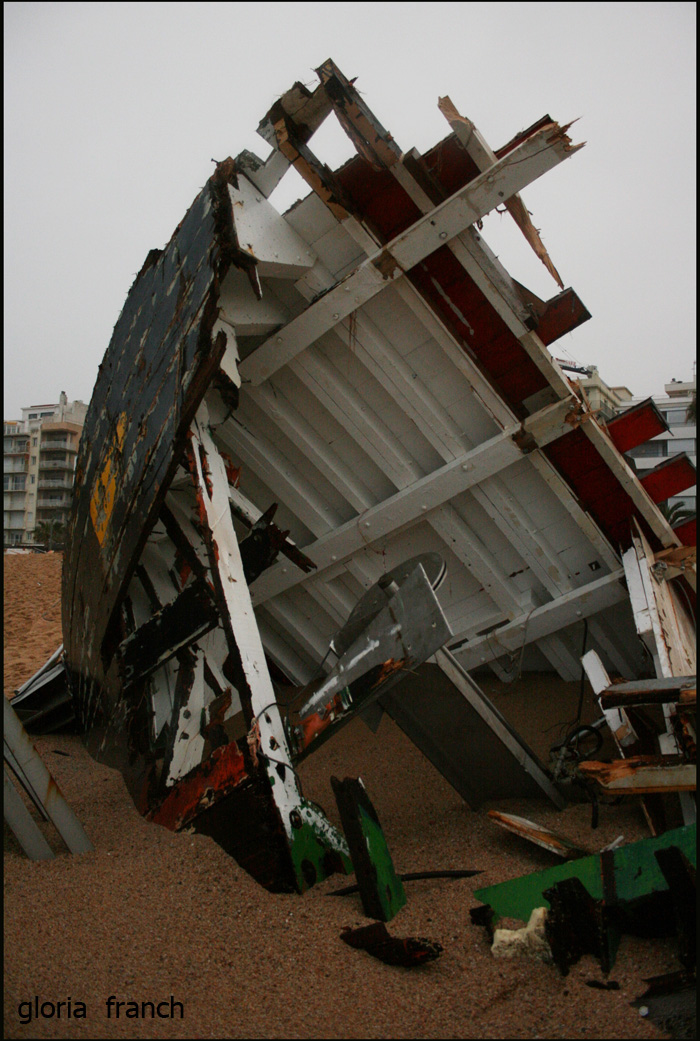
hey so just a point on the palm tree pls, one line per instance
(692, 412)
(50, 533)
(676, 513)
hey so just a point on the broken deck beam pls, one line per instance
(642, 775)
(679, 690)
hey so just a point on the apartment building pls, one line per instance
(673, 404)
(39, 455)
(680, 437)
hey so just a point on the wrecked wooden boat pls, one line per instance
(329, 467)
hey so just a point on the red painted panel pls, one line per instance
(636, 425)
(378, 197)
(451, 165)
(561, 314)
(687, 532)
(669, 478)
(594, 484)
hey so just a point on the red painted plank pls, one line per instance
(687, 532)
(561, 314)
(636, 425)
(670, 477)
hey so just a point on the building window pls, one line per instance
(33, 415)
(32, 479)
(649, 450)
(35, 441)
(676, 417)
(682, 444)
(33, 460)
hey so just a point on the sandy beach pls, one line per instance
(151, 916)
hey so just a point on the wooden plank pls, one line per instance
(671, 477)
(642, 775)
(533, 625)
(636, 425)
(679, 690)
(537, 833)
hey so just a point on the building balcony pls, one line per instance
(54, 484)
(56, 464)
(53, 504)
(49, 446)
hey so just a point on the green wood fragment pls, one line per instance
(635, 870)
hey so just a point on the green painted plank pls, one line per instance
(636, 873)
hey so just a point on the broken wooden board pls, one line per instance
(381, 890)
(537, 833)
(642, 775)
(629, 872)
(676, 690)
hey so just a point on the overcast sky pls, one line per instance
(114, 111)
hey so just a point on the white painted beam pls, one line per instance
(542, 621)
(539, 153)
(410, 504)
(286, 483)
(241, 622)
(278, 412)
(476, 557)
(349, 409)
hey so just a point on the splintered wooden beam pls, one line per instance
(642, 775)
(537, 833)
(679, 691)
(468, 135)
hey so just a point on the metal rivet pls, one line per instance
(336, 317)
(442, 235)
